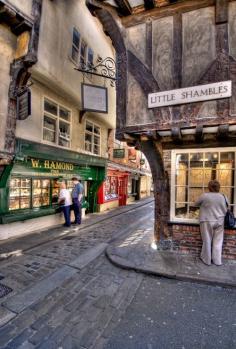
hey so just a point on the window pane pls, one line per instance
(49, 136)
(89, 127)
(194, 194)
(90, 57)
(83, 50)
(228, 192)
(96, 149)
(196, 177)
(193, 212)
(181, 210)
(49, 123)
(24, 202)
(196, 160)
(97, 130)
(50, 107)
(64, 114)
(88, 146)
(76, 37)
(14, 204)
(181, 161)
(74, 54)
(64, 130)
(228, 158)
(96, 140)
(211, 159)
(181, 194)
(225, 177)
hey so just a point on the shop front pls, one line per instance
(123, 185)
(30, 186)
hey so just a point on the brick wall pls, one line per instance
(187, 239)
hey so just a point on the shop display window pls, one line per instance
(111, 188)
(41, 192)
(190, 176)
(20, 190)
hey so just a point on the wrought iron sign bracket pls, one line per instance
(81, 115)
(105, 68)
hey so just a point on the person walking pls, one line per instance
(65, 202)
(212, 213)
(77, 197)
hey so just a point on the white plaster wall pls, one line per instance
(32, 128)
(7, 49)
(24, 6)
(54, 67)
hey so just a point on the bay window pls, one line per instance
(191, 172)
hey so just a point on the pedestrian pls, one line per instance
(65, 203)
(77, 197)
(212, 213)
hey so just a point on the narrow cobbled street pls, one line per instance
(66, 294)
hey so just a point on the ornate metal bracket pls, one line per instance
(105, 68)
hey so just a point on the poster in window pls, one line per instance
(94, 98)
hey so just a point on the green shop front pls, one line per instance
(29, 187)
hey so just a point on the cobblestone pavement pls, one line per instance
(65, 293)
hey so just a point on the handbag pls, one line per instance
(229, 221)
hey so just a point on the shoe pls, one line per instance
(66, 225)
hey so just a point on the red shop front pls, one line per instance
(113, 191)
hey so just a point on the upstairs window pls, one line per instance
(81, 54)
(56, 124)
(92, 138)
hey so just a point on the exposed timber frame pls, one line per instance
(20, 73)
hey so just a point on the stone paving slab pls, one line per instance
(88, 256)
(136, 253)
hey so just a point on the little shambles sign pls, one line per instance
(190, 94)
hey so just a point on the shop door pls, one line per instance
(122, 191)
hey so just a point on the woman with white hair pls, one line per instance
(213, 208)
(65, 202)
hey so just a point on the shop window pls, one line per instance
(92, 138)
(56, 124)
(41, 192)
(191, 172)
(34, 193)
(111, 188)
(20, 193)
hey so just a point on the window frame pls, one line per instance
(174, 152)
(78, 49)
(92, 134)
(57, 118)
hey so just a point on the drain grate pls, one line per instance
(4, 290)
(68, 238)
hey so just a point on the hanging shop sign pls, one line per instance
(23, 102)
(94, 98)
(118, 153)
(192, 94)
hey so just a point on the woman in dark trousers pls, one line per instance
(65, 202)
(77, 197)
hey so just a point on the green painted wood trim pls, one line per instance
(43, 151)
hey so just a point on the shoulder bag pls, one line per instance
(229, 217)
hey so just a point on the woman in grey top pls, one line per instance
(212, 213)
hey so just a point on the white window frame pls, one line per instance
(173, 174)
(57, 118)
(93, 134)
(82, 39)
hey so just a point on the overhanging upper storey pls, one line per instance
(180, 53)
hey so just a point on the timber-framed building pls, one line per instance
(165, 48)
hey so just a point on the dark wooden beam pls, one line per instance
(124, 7)
(176, 135)
(149, 4)
(199, 134)
(221, 11)
(223, 132)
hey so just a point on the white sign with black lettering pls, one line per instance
(192, 94)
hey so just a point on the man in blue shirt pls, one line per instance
(77, 197)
